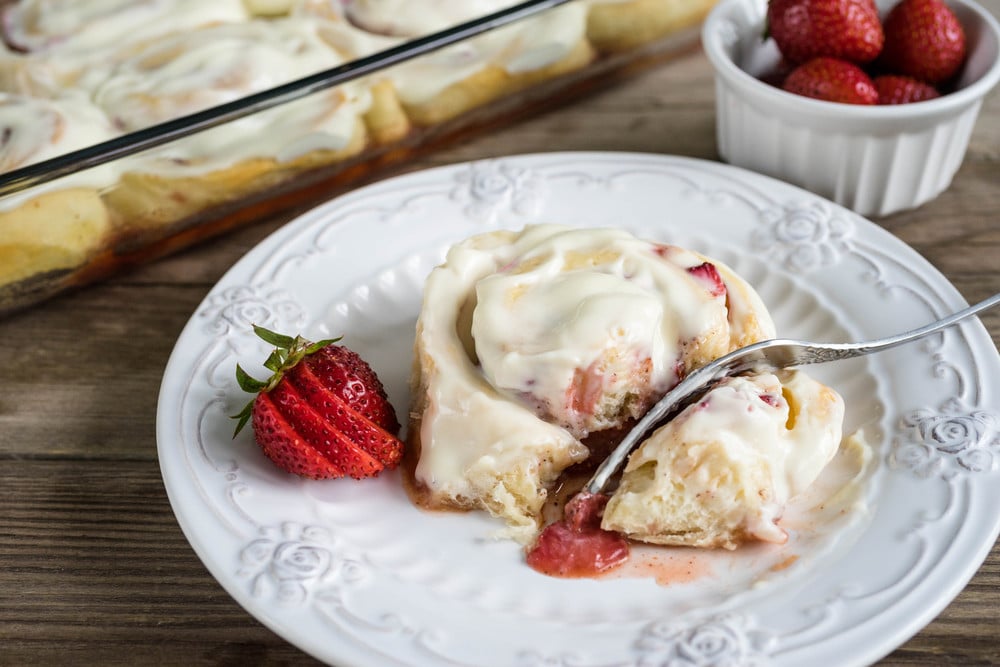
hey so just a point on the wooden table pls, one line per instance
(93, 566)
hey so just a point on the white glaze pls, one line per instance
(511, 318)
(34, 130)
(598, 302)
(187, 72)
(520, 47)
(72, 26)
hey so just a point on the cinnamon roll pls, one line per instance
(71, 26)
(51, 44)
(58, 225)
(447, 83)
(530, 344)
(181, 73)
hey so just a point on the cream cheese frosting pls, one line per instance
(406, 18)
(370, 26)
(722, 471)
(37, 129)
(514, 332)
(590, 326)
(185, 72)
(72, 26)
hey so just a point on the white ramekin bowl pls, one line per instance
(875, 160)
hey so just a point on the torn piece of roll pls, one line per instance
(720, 473)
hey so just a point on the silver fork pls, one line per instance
(760, 357)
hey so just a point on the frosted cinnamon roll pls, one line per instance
(405, 18)
(449, 82)
(51, 44)
(720, 473)
(184, 72)
(72, 26)
(57, 225)
(588, 328)
(529, 342)
(181, 73)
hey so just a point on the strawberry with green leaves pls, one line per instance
(323, 413)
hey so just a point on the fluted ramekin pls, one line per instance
(875, 160)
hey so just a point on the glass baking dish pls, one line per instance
(133, 129)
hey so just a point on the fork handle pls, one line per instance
(835, 351)
(927, 329)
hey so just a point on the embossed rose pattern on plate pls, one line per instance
(354, 575)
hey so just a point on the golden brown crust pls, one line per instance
(386, 119)
(53, 231)
(146, 199)
(614, 27)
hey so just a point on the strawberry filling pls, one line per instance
(577, 546)
(709, 276)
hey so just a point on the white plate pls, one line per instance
(353, 574)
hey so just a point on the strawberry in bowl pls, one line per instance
(877, 132)
(924, 40)
(323, 413)
(840, 45)
(846, 29)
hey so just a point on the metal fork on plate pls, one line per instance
(765, 356)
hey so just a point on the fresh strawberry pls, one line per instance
(923, 39)
(323, 413)
(709, 276)
(806, 29)
(832, 80)
(893, 89)
(368, 434)
(355, 383)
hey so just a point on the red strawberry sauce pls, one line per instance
(577, 546)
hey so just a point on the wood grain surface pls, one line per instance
(94, 569)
